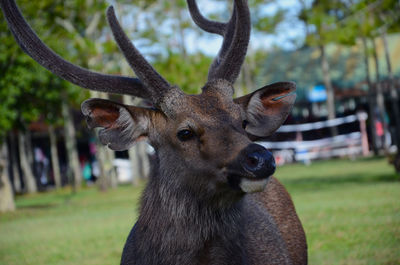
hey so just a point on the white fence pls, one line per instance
(350, 144)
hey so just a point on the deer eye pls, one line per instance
(185, 135)
(244, 124)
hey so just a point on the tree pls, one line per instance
(377, 18)
(20, 90)
(28, 177)
(322, 19)
(84, 26)
(371, 97)
(6, 192)
(54, 156)
(30, 90)
(359, 19)
(389, 21)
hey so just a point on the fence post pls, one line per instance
(362, 117)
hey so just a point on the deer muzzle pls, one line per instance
(251, 170)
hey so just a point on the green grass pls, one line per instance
(89, 227)
(350, 211)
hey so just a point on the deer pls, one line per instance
(212, 198)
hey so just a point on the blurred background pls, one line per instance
(66, 199)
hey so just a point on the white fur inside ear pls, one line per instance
(254, 108)
(256, 115)
(126, 123)
(264, 120)
(132, 128)
(250, 185)
(125, 131)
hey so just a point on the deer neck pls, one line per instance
(172, 214)
(165, 204)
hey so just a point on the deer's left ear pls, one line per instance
(121, 125)
(268, 107)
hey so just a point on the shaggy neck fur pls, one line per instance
(176, 226)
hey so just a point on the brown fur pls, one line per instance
(279, 204)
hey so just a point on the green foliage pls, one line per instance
(28, 91)
(324, 21)
(375, 17)
(347, 67)
(76, 30)
(341, 21)
(267, 24)
(21, 84)
(262, 22)
(189, 73)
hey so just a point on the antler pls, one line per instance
(34, 47)
(153, 81)
(236, 34)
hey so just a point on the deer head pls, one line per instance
(204, 138)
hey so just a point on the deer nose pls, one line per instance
(258, 161)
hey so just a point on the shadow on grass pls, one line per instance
(335, 181)
(38, 206)
(47, 202)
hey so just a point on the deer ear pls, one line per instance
(121, 125)
(268, 107)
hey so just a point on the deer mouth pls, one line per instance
(247, 183)
(253, 185)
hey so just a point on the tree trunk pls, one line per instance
(249, 65)
(144, 159)
(134, 159)
(245, 79)
(329, 88)
(102, 180)
(111, 172)
(28, 177)
(72, 150)
(394, 99)
(380, 97)
(54, 157)
(394, 96)
(180, 37)
(371, 98)
(108, 177)
(6, 193)
(29, 150)
(13, 156)
(140, 163)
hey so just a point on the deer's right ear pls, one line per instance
(121, 125)
(268, 107)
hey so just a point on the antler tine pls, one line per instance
(230, 64)
(155, 83)
(204, 23)
(227, 42)
(226, 30)
(34, 47)
(236, 35)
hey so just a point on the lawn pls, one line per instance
(350, 211)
